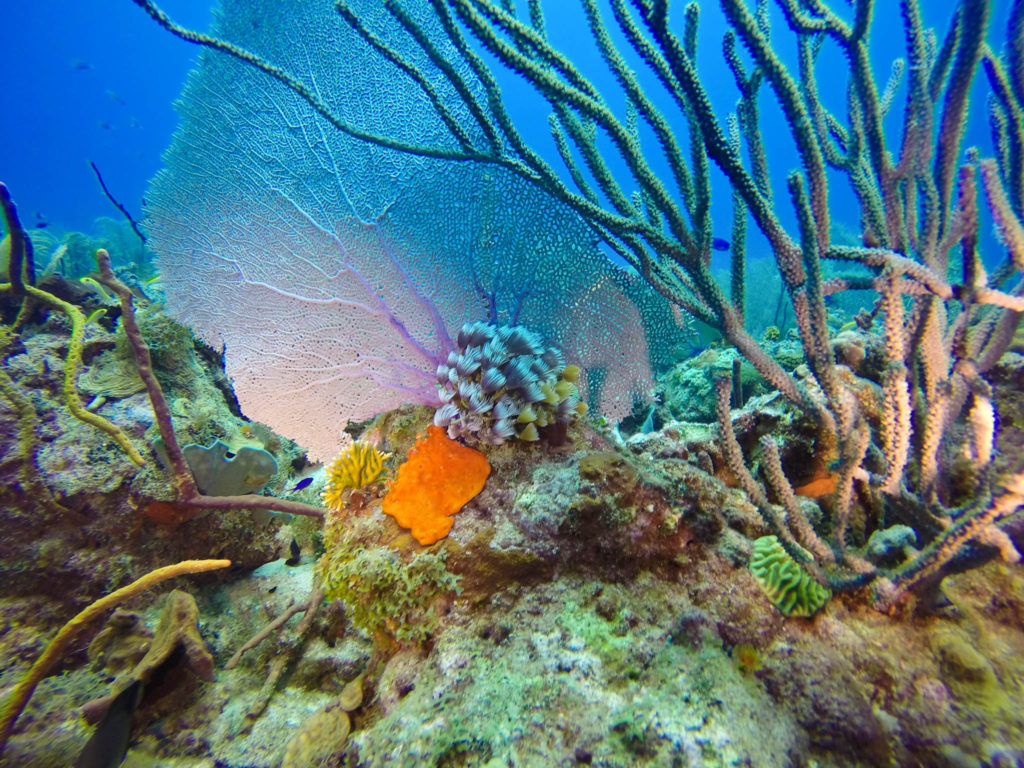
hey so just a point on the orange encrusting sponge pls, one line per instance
(438, 479)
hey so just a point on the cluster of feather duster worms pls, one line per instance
(503, 382)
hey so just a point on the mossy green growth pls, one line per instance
(386, 596)
(790, 588)
(7, 338)
(170, 343)
(610, 640)
(5, 257)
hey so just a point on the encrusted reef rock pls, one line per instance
(575, 672)
(592, 605)
(603, 614)
(95, 519)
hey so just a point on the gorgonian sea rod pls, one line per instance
(911, 439)
(331, 271)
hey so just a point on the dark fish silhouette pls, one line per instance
(79, 64)
(108, 744)
(719, 244)
(296, 554)
(303, 483)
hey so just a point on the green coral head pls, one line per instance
(386, 597)
(790, 588)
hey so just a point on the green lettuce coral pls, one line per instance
(790, 588)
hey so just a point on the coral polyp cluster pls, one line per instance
(504, 382)
(355, 467)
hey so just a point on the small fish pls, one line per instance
(303, 483)
(104, 125)
(648, 426)
(296, 554)
(115, 97)
(42, 224)
(719, 244)
(80, 65)
(108, 744)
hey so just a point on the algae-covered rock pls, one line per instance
(389, 594)
(968, 673)
(566, 686)
(320, 737)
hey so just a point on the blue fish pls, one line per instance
(719, 244)
(303, 483)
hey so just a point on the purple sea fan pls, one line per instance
(332, 272)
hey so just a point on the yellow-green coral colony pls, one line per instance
(790, 588)
(504, 382)
(384, 595)
(357, 466)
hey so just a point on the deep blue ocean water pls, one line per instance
(96, 81)
(92, 80)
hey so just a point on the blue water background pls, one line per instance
(96, 80)
(87, 80)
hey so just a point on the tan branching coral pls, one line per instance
(946, 322)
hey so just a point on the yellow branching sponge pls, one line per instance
(355, 467)
(790, 588)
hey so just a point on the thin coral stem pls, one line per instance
(188, 493)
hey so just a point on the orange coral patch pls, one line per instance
(820, 485)
(169, 513)
(437, 480)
